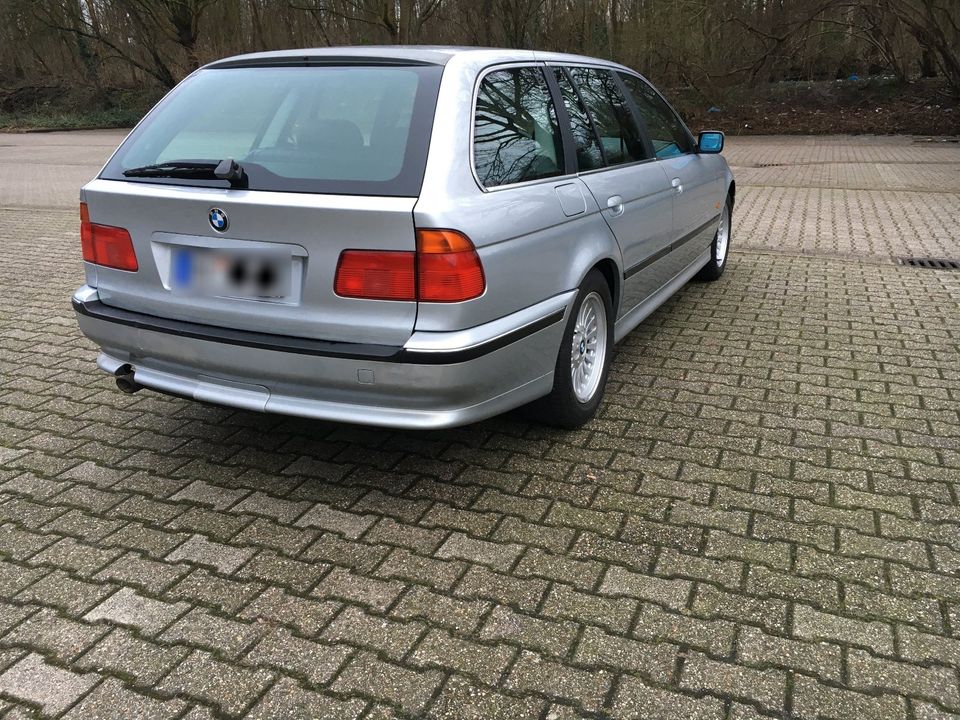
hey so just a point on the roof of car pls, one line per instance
(394, 54)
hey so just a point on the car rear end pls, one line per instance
(293, 284)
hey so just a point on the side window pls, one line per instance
(589, 154)
(516, 133)
(666, 132)
(614, 123)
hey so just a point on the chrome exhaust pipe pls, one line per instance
(126, 381)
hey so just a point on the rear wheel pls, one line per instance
(720, 248)
(583, 362)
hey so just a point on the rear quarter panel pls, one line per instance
(529, 248)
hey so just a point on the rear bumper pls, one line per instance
(434, 380)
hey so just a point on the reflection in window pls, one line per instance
(618, 131)
(589, 155)
(668, 135)
(516, 133)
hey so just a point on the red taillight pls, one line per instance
(448, 267)
(106, 245)
(376, 275)
(445, 268)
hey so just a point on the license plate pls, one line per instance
(249, 274)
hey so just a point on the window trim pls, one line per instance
(481, 76)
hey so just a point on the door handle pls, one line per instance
(677, 185)
(615, 205)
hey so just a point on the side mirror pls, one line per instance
(710, 142)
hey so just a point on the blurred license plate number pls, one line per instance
(257, 275)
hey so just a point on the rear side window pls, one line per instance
(619, 134)
(666, 131)
(516, 135)
(589, 154)
(348, 130)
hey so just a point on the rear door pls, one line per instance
(632, 190)
(334, 159)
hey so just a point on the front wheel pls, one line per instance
(583, 362)
(719, 249)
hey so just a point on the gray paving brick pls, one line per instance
(586, 688)
(635, 698)
(127, 607)
(811, 624)
(201, 551)
(111, 700)
(290, 701)
(230, 688)
(811, 699)
(936, 683)
(34, 680)
(137, 660)
(443, 650)
(284, 651)
(411, 689)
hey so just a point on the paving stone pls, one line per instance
(127, 607)
(636, 699)
(656, 625)
(935, 683)
(201, 628)
(462, 616)
(615, 614)
(201, 551)
(672, 593)
(525, 594)
(219, 498)
(111, 700)
(549, 637)
(47, 631)
(484, 662)
(810, 624)
(766, 687)
(824, 660)
(284, 651)
(390, 638)
(347, 524)
(499, 556)
(34, 680)
(342, 584)
(460, 699)
(392, 683)
(586, 688)
(303, 614)
(814, 700)
(597, 648)
(290, 701)
(137, 660)
(229, 687)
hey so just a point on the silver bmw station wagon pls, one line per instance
(413, 237)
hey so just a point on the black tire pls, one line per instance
(562, 408)
(714, 269)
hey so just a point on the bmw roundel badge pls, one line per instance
(218, 219)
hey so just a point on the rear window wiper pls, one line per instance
(227, 169)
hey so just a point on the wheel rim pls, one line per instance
(589, 349)
(723, 237)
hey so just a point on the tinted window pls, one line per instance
(618, 131)
(308, 129)
(516, 133)
(667, 133)
(589, 155)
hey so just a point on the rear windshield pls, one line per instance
(358, 130)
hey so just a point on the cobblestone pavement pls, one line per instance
(763, 521)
